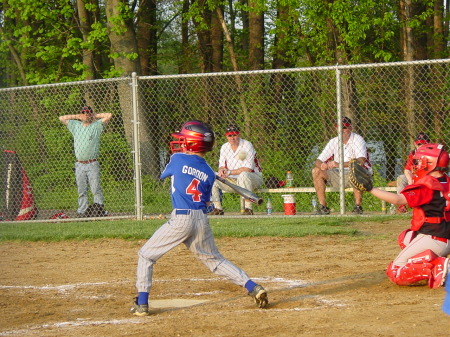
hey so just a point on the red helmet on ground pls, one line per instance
(194, 136)
(428, 158)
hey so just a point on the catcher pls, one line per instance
(425, 245)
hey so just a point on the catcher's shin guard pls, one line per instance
(425, 256)
(439, 273)
(409, 274)
(418, 268)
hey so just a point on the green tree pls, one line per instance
(57, 41)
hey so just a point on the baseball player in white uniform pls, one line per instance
(238, 164)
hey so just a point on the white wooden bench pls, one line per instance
(291, 190)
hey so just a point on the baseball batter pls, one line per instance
(425, 245)
(192, 180)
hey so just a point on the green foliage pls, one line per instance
(361, 30)
(47, 38)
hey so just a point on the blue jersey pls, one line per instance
(192, 181)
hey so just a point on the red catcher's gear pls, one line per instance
(417, 195)
(405, 237)
(428, 158)
(194, 136)
(409, 274)
(439, 272)
(418, 268)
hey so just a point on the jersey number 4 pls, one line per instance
(192, 189)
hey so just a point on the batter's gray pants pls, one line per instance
(194, 231)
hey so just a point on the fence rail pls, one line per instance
(288, 114)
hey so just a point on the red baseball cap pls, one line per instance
(422, 138)
(232, 130)
(346, 122)
(87, 110)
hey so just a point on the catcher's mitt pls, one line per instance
(359, 177)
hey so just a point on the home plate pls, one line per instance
(174, 303)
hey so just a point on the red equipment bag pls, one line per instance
(18, 199)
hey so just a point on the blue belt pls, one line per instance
(188, 211)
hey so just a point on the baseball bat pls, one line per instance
(242, 191)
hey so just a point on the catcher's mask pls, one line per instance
(194, 136)
(428, 158)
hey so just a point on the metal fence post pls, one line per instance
(136, 149)
(341, 143)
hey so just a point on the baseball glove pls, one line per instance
(359, 177)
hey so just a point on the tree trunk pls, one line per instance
(256, 36)
(85, 22)
(281, 38)
(407, 39)
(216, 41)
(406, 34)
(124, 48)
(237, 77)
(422, 43)
(146, 33)
(122, 37)
(245, 27)
(438, 30)
(185, 49)
(204, 37)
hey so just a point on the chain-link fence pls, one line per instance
(289, 115)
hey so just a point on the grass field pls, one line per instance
(222, 227)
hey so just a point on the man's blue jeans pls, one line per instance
(88, 175)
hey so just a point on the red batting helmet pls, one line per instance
(428, 158)
(194, 136)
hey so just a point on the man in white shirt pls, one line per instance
(326, 167)
(239, 165)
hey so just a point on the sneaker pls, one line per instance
(322, 210)
(259, 295)
(216, 211)
(139, 310)
(439, 272)
(357, 209)
(247, 211)
(401, 209)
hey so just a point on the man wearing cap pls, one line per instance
(406, 178)
(237, 163)
(326, 167)
(86, 128)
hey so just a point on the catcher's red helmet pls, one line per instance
(428, 158)
(194, 136)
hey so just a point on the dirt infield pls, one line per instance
(318, 286)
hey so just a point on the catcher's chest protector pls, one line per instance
(418, 216)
